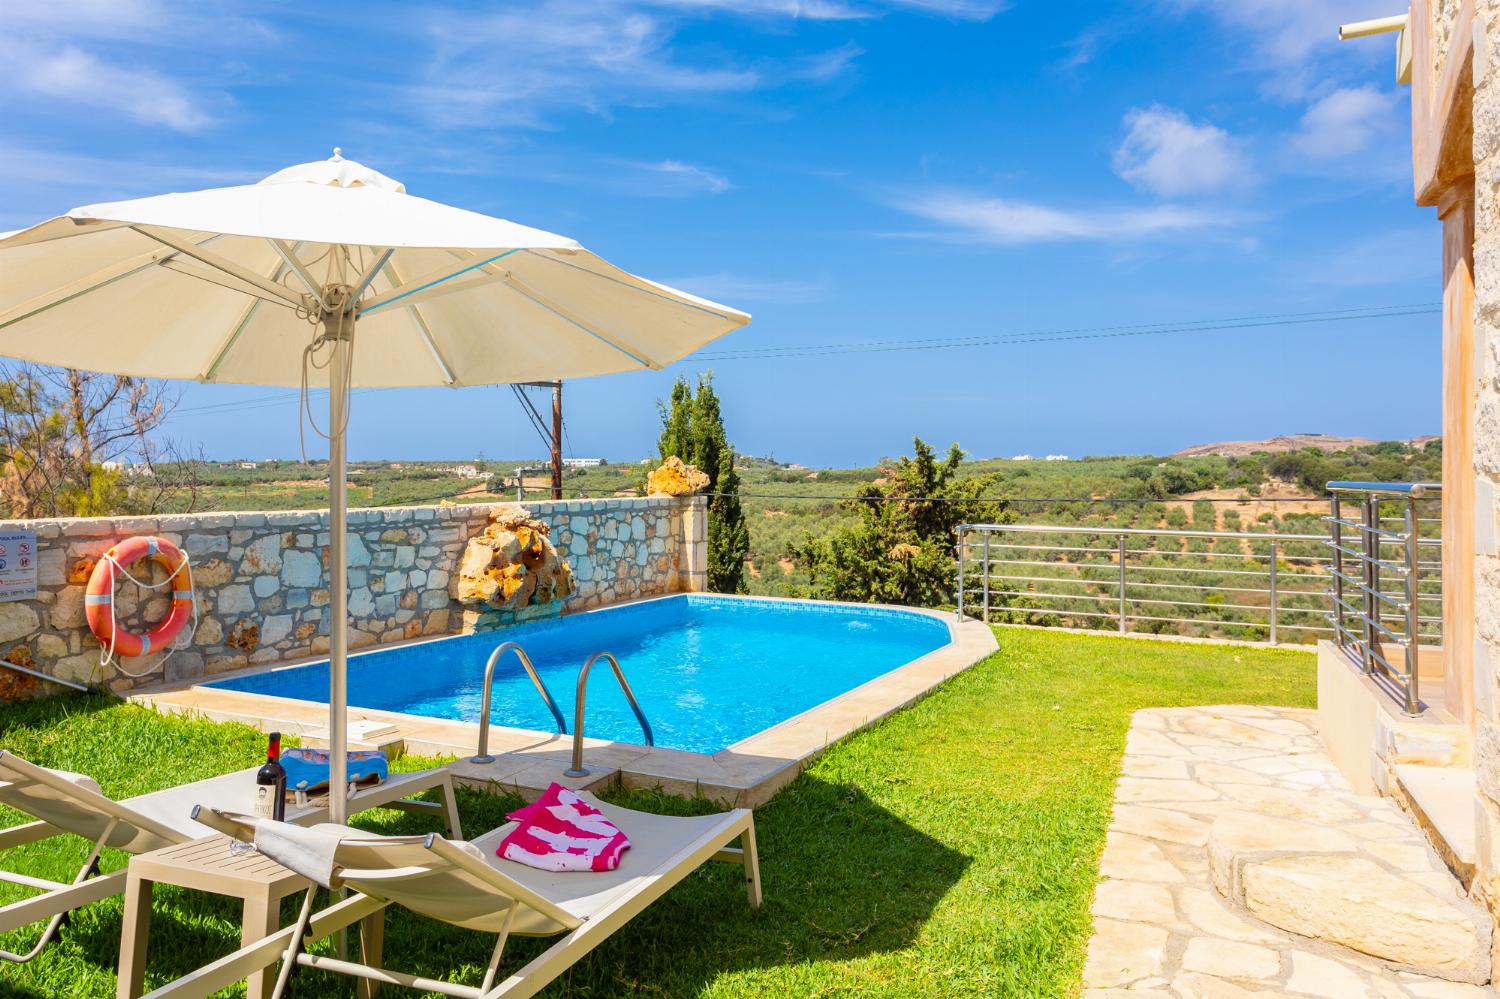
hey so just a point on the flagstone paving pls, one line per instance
(1239, 864)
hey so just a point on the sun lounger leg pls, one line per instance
(289, 961)
(751, 859)
(489, 973)
(450, 808)
(41, 944)
(371, 947)
(133, 934)
(88, 870)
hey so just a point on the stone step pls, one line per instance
(1342, 887)
(1441, 799)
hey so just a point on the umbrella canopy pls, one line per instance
(289, 281)
(446, 296)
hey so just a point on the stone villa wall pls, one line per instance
(1486, 446)
(262, 581)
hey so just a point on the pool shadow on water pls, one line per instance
(843, 878)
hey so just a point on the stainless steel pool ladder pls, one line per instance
(483, 756)
(578, 769)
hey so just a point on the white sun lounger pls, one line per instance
(69, 803)
(465, 884)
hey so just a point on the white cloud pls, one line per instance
(732, 288)
(838, 10)
(1287, 32)
(77, 77)
(106, 55)
(1166, 153)
(678, 177)
(1396, 261)
(1344, 122)
(966, 217)
(1292, 39)
(521, 64)
(516, 65)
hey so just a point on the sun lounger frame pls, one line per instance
(580, 935)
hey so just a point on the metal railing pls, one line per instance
(578, 769)
(1378, 576)
(483, 755)
(1372, 583)
(1240, 584)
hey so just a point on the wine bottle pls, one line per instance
(270, 784)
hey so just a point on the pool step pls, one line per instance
(362, 736)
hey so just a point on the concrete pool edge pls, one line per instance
(745, 774)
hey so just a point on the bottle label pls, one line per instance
(265, 801)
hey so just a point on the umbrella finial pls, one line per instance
(338, 153)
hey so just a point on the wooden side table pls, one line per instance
(205, 865)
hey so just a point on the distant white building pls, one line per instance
(1057, 457)
(1023, 457)
(582, 462)
(466, 472)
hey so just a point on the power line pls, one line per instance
(1064, 335)
(1264, 321)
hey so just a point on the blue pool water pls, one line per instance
(708, 671)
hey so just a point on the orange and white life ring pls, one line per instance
(99, 598)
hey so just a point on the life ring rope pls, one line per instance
(106, 574)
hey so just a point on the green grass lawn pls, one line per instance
(949, 851)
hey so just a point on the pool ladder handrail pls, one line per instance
(483, 756)
(578, 769)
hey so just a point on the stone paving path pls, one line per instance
(1246, 796)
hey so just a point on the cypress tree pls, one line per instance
(692, 429)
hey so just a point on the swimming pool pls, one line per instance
(708, 671)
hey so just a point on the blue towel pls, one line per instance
(307, 769)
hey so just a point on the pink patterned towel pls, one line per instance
(562, 832)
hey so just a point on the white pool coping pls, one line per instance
(745, 774)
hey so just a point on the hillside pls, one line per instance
(1288, 442)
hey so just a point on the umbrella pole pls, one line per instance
(338, 590)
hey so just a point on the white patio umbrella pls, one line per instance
(329, 274)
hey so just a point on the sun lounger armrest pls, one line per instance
(30, 832)
(230, 824)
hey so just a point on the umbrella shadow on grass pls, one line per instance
(843, 878)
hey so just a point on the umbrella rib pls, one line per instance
(180, 267)
(736, 316)
(102, 278)
(520, 288)
(527, 293)
(369, 275)
(423, 329)
(289, 258)
(396, 295)
(248, 314)
(221, 264)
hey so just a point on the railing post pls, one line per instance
(1369, 603)
(1273, 590)
(1338, 573)
(986, 596)
(1412, 595)
(962, 549)
(1121, 548)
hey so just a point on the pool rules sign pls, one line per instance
(17, 565)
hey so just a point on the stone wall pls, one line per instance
(262, 581)
(1485, 440)
(1486, 447)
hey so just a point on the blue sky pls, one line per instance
(849, 171)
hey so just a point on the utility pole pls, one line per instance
(553, 439)
(557, 467)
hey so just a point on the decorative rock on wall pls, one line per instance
(262, 581)
(512, 564)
